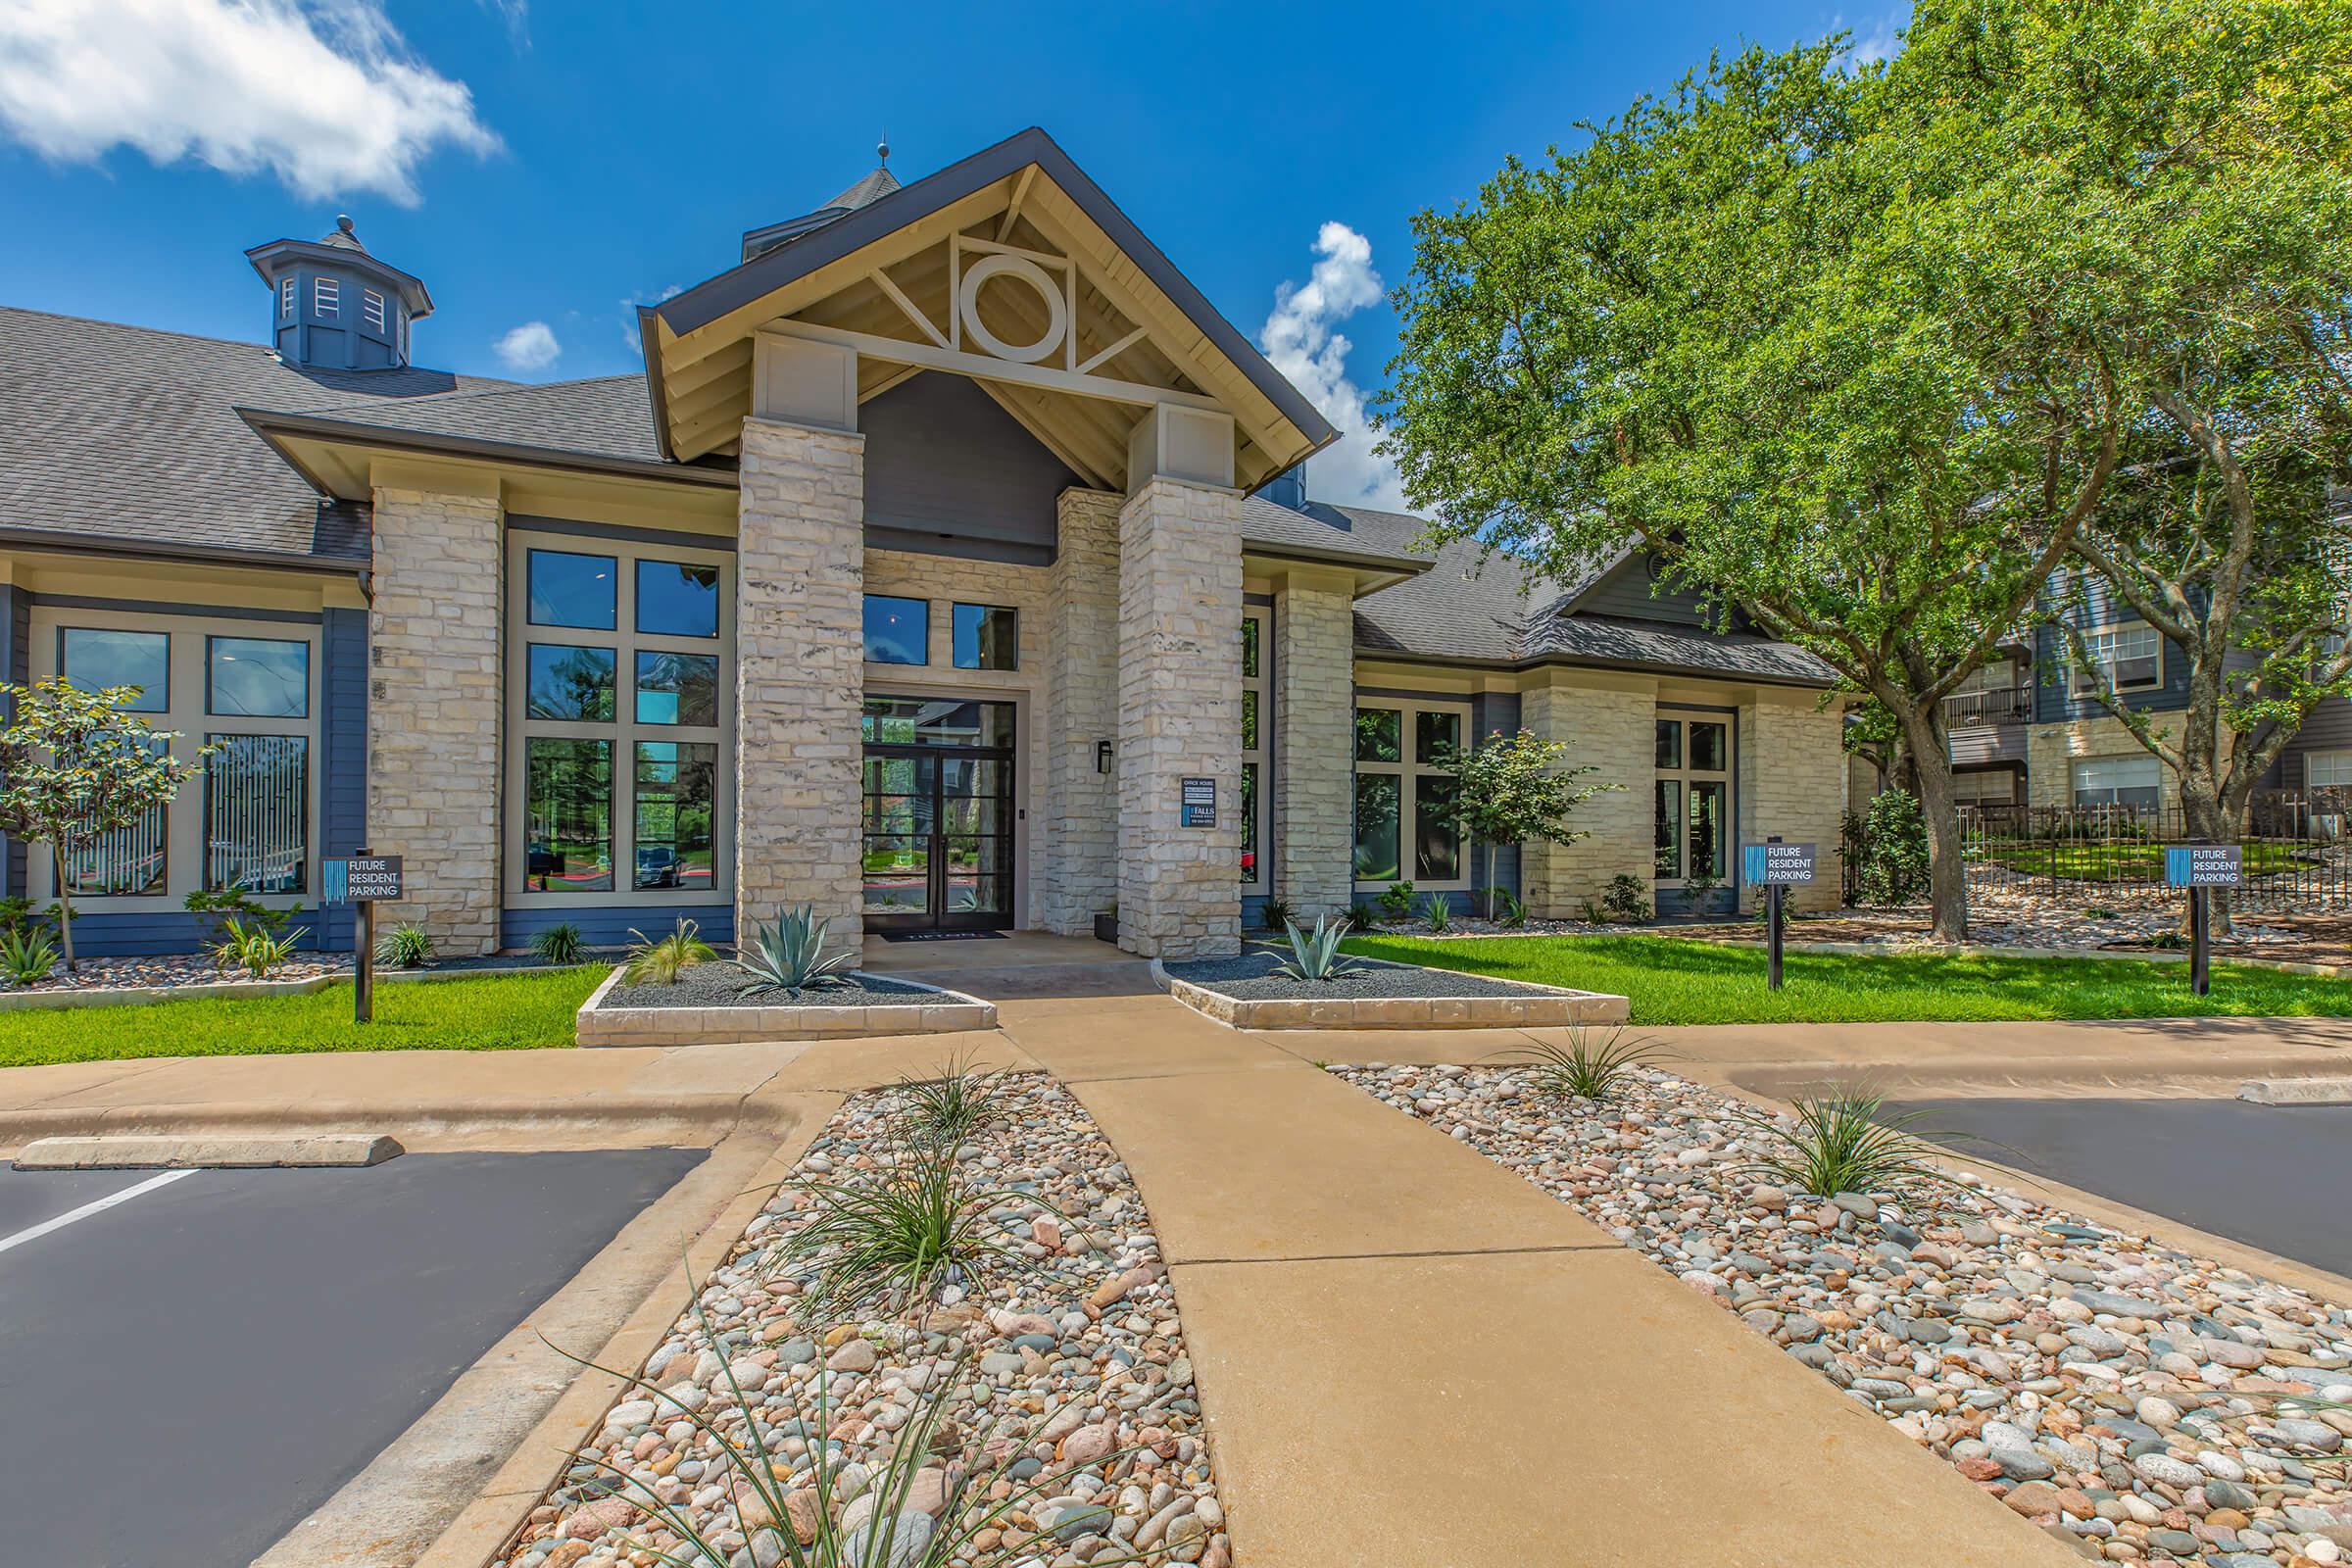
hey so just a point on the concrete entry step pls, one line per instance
(229, 1153)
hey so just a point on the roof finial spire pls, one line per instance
(882, 149)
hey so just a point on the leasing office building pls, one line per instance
(946, 566)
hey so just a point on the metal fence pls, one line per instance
(2297, 851)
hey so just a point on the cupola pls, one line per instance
(334, 307)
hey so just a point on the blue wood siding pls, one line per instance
(342, 782)
(2053, 704)
(15, 660)
(948, 472)
(607, 925)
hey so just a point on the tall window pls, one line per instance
(987, 637)
(326, 296)
(1402, 794)
(2131, 655)
(244, 689)
(1256, 718)
(2126, 781)
(620, 678)
(1694, 784)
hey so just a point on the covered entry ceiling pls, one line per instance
(1010, 267)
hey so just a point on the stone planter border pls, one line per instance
(1543, 1007)
(710, 1026)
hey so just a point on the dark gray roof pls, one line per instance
(874, 186)
(1326, 532)
(606, 417)
(129, 433)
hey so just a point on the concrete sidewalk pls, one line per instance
(1408, 1353)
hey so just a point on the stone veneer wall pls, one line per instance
(1610, 725)
(2052, 750)
(799, 672)
(1180, 680)
(434, 759)
(1792, 779)
(943, 581)
(1314, 739)
(1080, 831)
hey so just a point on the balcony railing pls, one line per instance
(2006, 705)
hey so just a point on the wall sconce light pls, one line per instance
(1102, 756)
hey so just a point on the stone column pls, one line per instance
(1180, 682)
(800, 673)
(1081, 826)
(1314, 744)
(1793, 778)
(435, 773)
(1610, 724)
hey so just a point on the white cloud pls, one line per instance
(532, 346)
(1299, 339)
(628, 315)
(324, 94)
(1876, 41)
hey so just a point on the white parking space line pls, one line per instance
(33, 1233)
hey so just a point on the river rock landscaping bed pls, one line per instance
(705, 1004)
(2140, 1403)
(1247, 993)
(1076, 1375)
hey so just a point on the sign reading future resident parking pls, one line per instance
(362, 879)
(1777, 865)
(1198, 808)
(2203, 865)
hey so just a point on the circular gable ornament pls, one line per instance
(1057, 320)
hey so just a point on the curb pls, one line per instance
(229, 1118)
(2296, 1091)
(133, 1153)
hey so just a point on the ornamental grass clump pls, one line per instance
(1846, 1141)
(653, 962)
(789, 956)
(1587, 1068)
(560, 945)
(405, 947)
(952, 1103)
(1318, 956)
(773, 1497)
(895, 1235)
(260, 953)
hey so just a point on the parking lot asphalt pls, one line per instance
(191, 1369)
(2269, 1176)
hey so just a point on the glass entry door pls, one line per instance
(938, 814)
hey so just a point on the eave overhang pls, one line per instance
(411, 288)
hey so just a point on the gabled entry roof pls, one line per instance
(882, 277)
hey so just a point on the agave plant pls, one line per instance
(1846, 1141)
(1587, 1068)
(1437, 914)
(1316, 956)
(790, 956)
(769, 1492)
(26, 956)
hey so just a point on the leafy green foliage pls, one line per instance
(761, 1480)
(660, 962)
(18, 917)
(1437, 913)
(26, 955)
(260, 953)
(1506, 907)
(406, 946)
(1589, 1067)
(952, 1103)
(74, 767)
(1846, 1141)
(1365, 916)
(1277, 915)
(1888, 846)
(1397, 901)
(888, 1237)
(224, 906)
(1509, 789)
(789, 956)
(1315, 956)
(560, 945)
(1627, 901)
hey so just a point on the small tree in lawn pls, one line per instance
(1512, 789)
(74, 767)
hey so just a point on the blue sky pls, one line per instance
(544, 167)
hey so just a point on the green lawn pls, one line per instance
(2117, 862)
(489, 1012)
(1669, 981)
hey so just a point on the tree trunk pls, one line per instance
(65, 922)
(1930, 759)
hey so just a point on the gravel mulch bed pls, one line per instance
(1251, 978)
(2141, 1402)
(170, 971)
(718, 984)
(1082, 1369)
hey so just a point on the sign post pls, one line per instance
(2200, 868)
(1776, 867)
(362, 879)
